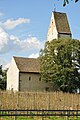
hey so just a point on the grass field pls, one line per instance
(39, 100)
(18, 118)
(39, 118)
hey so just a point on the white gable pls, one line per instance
(52, 31)
(12, 76)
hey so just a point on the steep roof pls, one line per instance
(27, 64)
(62, 24)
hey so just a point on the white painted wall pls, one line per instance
(52, 31)
(13, 76)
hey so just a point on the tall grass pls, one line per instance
(39, 100)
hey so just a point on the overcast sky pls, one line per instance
(24, 25)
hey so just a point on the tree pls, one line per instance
(67, 2)
(60, 63)
(2, 79)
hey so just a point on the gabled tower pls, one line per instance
(59, 26)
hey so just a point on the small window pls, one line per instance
(47, 88)
(40, 79)
(29, 78)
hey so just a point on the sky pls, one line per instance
(24, 26)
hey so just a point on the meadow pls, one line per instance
(39, 118)
(39, 100)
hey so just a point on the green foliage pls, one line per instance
(2, 78)
(60, 63)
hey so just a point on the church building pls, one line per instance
(59, 26)
(24, 73)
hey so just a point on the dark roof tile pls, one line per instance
(62, 22)
(27, 64)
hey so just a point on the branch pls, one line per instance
(67, 2)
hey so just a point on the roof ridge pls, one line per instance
(59, 12)
(24, 57)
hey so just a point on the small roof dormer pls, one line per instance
(59, 26)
